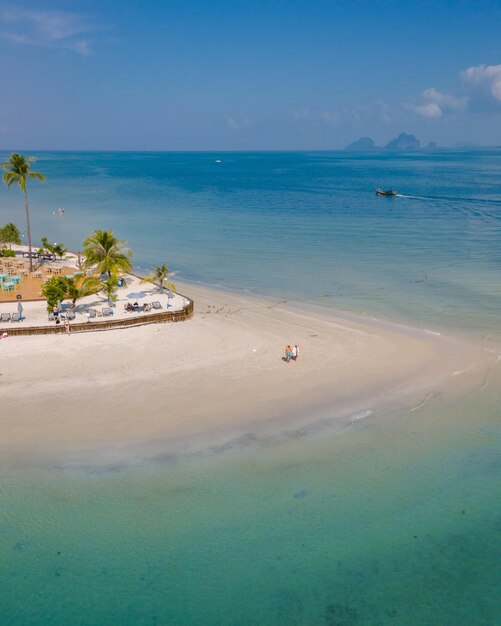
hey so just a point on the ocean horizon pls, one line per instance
(391, 520)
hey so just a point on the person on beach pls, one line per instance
(55, 311)
(67, 326)
(295, 352)
(288, 353)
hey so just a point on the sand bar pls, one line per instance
(106, 396)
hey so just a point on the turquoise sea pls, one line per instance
(394, 520)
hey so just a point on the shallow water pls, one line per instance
(392, 521)
(395, 519)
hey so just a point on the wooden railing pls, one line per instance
(160, 317)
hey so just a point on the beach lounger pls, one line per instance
(92, 312)
(107, 311)
(16, 317)
(156, 305)
(70, 315)
(4, 317)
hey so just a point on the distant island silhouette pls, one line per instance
(364, 143)
(402, 142)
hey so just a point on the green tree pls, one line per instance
(54, 290)
(17, 171)
(160, 276)
(46, 245)
(60, 250)
(10, 234)
(60, 288)
(106, 253)
(81, 286)
(110, 286)
(56, 248)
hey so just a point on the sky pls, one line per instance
(247, 74)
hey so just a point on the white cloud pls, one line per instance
(48, 28)
(446, 102)
(483, 85)
(478, 89)
(434, 103)
(430, 109)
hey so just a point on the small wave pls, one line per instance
(361, 416)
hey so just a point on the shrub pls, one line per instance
(10, 234)
(6, 252)
(55, 289)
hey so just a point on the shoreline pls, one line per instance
(180, 388)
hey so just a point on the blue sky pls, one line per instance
(237, 75)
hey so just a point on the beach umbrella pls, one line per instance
(19, 307)
(169, 297)
(59, 306)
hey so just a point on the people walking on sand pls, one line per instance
(67, 326)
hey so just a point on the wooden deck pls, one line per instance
(30, 288)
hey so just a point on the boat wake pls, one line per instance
(467, 200)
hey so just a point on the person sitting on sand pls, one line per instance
(288, 353)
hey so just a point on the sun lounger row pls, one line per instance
(145, 307)
(105, 312)
(66, 315)
(7, 317)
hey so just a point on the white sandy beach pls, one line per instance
(105, 395)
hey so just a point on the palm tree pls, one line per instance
(81, 286)
(107, 253)
(45, 244)
(110, 287)
(60, 250)
(18, 170)
(161, 274)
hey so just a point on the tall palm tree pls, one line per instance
(161, 274)
(107, 253)
(18, 170)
